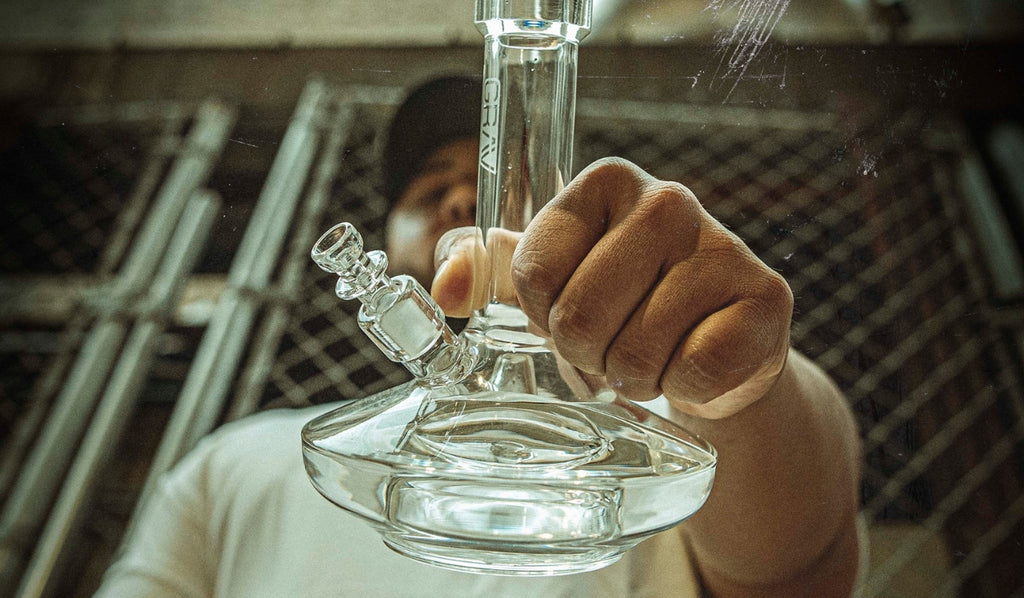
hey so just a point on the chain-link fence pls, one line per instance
(867, 223)
(105, 219)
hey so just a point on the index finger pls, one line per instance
(563, 234)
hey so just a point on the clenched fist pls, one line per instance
(635, 281)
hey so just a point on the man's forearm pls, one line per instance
(781, 517)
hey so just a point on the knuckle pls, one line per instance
(612, 173)
(633, 363)
(673, 192)
(759, 330)
(574, 330)
(535, 284)
(725, 245)
(703, 372)
(530, 276)
(612, 166)
(778, 293)
(771, 300)
(667, 201)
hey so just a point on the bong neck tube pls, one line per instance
(528, 107)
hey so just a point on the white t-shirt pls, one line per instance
(239, 518)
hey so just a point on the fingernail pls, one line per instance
(439, 270)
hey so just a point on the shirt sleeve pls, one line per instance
(168, 553)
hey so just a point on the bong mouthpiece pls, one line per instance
(340, 251)
(338, 248)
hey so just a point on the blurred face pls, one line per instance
(441, 196)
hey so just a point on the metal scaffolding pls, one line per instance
(884, 231)
(99, 384)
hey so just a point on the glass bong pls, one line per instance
(496, 458)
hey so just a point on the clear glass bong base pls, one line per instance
(507, 483)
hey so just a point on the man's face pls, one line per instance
(440, 197)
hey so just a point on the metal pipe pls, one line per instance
(40, 476)
(117, 405)
(47, 384)
(202, 398)
(269, 335)
(144, 187)
(277, 318)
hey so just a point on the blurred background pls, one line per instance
(165, 166)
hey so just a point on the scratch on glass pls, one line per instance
(755, 21)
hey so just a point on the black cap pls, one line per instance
(433, 114)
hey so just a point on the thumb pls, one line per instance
(463, 280)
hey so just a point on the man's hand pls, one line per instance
(634, 280)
